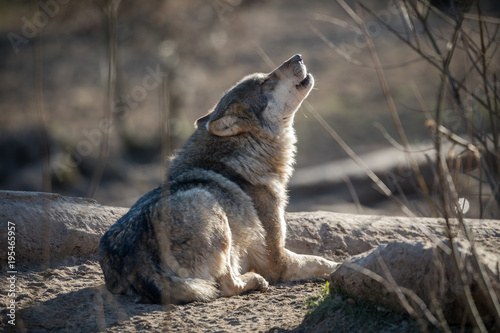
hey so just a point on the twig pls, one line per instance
(394, 143)
(110, 8)
(44, 142)
(353, 193)
(427, 58)
(400, 291)
(380, 185)
(165, 123)
(343, 54)
(333, 46)
(337, 22)
(388, 96)
(445, 186)
(42, 122)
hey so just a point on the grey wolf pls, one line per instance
(216, 226)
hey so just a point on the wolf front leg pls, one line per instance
(282, 264)
(303, 266)
(231, 284)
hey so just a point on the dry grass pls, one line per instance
(468, 94)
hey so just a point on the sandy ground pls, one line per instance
(73, 298)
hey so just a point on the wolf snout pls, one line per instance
(296, 63)
(297, 58)
(292, 70)
(293, 65)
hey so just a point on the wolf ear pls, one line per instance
(231, 123)
(203, 120)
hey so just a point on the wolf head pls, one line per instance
(261, 103)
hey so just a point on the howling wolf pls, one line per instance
(216, 226)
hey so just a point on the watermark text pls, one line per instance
(11, 272)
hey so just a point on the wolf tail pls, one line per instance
(153, 284)
(174, 290)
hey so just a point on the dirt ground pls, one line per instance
(70, 296)
(73, 298)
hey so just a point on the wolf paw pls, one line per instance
(263, 285)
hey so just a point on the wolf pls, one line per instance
(216, 226)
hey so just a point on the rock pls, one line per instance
(403, 276)
(51, 227)
(338, 236)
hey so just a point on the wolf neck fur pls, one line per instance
(261, 162)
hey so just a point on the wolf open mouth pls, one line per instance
(305, 82)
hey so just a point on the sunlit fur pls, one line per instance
(216, 226)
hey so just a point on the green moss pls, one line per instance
(338, 312)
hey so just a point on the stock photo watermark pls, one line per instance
(374, 29)
(11, 273)
(31, 26)
(93, 137)
(225, 7)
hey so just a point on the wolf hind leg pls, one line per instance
(230, 283)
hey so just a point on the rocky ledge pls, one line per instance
(401, 263)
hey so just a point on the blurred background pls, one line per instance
(174, 59)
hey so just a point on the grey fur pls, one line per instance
(216, 226)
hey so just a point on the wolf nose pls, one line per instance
(297, 58)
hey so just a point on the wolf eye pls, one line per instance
(269, 83)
